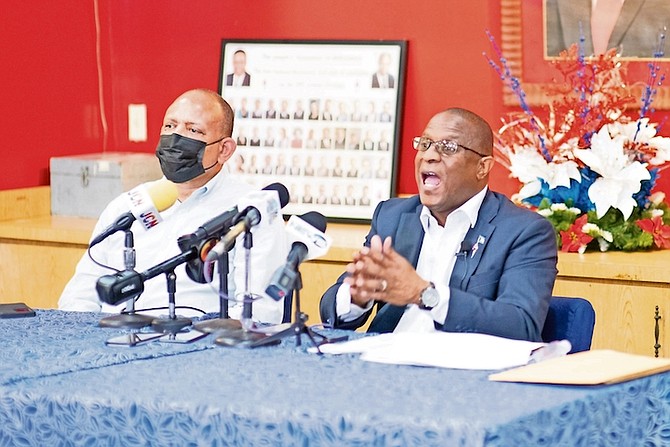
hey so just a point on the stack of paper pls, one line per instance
(442, 349)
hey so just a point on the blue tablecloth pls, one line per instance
(163, 395)
(57, 342)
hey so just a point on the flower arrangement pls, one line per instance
(585, 164)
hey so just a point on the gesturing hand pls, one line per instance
(380, 273)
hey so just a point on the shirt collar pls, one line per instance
(220, 177)
(469, 208)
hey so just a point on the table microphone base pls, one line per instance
(170, 325)
(239, 338)
(217, 324)
(126, 321)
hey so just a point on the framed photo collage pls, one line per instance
(320, 117)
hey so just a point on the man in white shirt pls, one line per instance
(194, 145)
(457, 257)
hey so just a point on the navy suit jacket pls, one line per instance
(502, 286)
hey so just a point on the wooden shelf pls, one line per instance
(53, 229)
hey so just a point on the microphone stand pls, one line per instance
(224, 322)
(298, 327)
(223, 285)
(171, 329)
(128, 318)
(242, 336)
(247, 304)
(172, 324)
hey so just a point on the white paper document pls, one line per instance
(441, 349)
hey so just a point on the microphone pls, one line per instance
(464, 251)
(309, 242)
(466, 247)
(202, 240)
(146, 201)
(257, 207)
(124, 285)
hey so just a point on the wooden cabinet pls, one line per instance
(625, 289)
(38, 254)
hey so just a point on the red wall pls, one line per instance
(154, 50)
(48, 93)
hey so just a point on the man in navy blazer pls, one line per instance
(457, 257)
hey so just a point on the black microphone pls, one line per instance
(207, 235)
(214, 227)
(127, 284)
(309, 242)
(466, 247)
(257, 207)
(202, 240)
(464, 251)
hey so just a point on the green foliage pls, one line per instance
(626, 234)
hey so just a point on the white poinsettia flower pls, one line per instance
(620, 178)
(545, 212)
(528, 165)
(559, 174)
(559, 207)
(662, 146)
(530, 189)
(657, 213)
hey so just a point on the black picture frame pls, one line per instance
(322, 117)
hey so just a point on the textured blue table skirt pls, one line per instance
(73, 390)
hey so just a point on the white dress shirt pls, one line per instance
(238, 80)
(159, 243)
(382, 80)
(435, 264)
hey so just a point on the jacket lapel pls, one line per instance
(478, 236)
(409, 236)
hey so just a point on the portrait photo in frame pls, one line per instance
(524, 45)
(321, 117)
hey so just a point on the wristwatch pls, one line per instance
(429, 297)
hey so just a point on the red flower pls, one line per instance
(575, 239)
(660, 232)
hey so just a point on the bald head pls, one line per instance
(447, 180)
(220, 113)
(476, 132)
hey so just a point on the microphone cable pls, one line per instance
(100, 264)
(196, 309)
